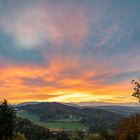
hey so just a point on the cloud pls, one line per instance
(68, 50)
(34, 82)
(37, 23)
(60, 80)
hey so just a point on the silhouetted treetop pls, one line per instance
(7, 121)
(136, 88)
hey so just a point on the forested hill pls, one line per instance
(50, 111)
(95, 119)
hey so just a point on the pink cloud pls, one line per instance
(32, 25)
(35, 24)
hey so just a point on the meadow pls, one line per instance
(71, 124)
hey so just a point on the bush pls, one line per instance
(19, 136)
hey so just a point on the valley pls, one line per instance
(71, 124)
(73, 118)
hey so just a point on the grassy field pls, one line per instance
(72, 119)
(69, 124)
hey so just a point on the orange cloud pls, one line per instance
(60, 81)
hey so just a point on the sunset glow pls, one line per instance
(69, 50)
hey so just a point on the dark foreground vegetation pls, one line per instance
(14, 128)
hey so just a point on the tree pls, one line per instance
(7, 121)
(129, 128)
(32, 131)
(106, 134)
(63, 135)
(136, 88)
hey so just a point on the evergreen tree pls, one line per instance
(7, 121)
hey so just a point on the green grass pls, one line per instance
(68, 120)
(26, 115)
(63, 123)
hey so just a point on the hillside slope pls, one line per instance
(93, 118)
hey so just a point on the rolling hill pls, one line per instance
(56, 115)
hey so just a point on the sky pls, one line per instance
(69, 50)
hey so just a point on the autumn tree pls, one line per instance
(136, 88)
(129, 128)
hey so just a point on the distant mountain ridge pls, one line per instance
(88, 104)
(124, 110)
(134, 104)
